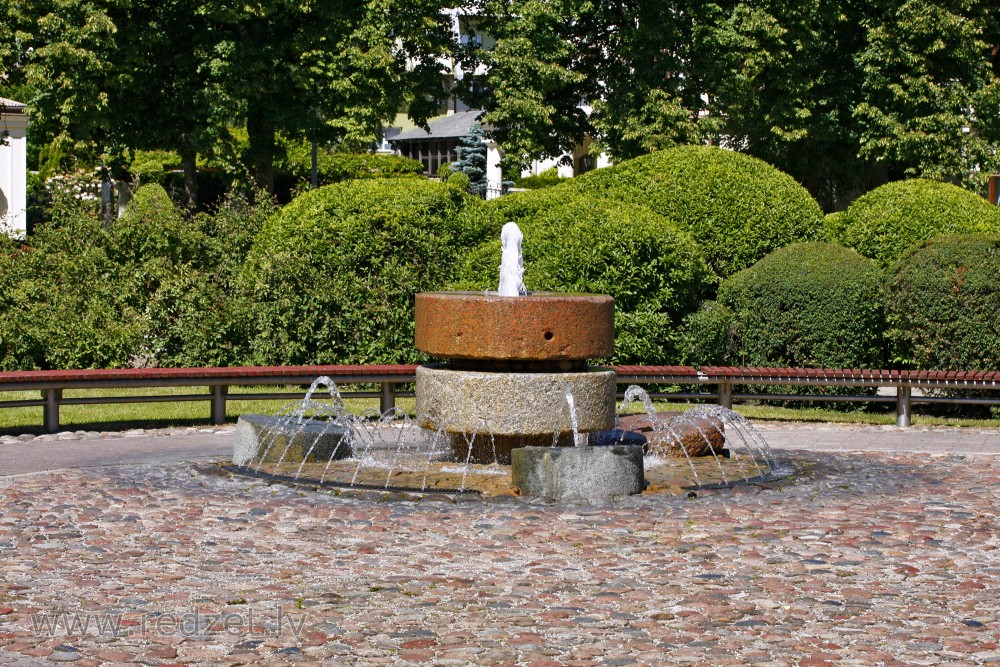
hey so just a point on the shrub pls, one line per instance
(654, 270)
(62, 303)
(707, 335)
(810, 304)
(737, 207)
(196, 317)
(889, 219)
(150, 240)
(942, 300)
(152, 166)
(333, 167)
(331, 277)
(546, 179)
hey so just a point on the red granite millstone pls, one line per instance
(542, 326)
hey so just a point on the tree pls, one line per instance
(471, 161)
(178, 74)
(912, 92)
(65, 51)
(327, 71)
(923, 65)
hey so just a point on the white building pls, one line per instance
(13, 167)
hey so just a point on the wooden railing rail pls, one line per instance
(53, 384)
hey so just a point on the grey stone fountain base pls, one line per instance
(273, 439)
(592, 473)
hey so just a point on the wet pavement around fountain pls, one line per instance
(866, 557)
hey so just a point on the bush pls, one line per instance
(331, 277)
(196, 317)
(62, 303)
(654, 270)
(153, 166)
(942, 300)
(546, 179)
(707, 335)
(889, 219)
(737, 207)
(332, 167)
(810, 304)
(150, 240)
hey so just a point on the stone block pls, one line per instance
(520, 404)
(540, 325)
(267, 438)
(592, 473)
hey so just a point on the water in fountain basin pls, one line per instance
(391, 451)
(744, 445)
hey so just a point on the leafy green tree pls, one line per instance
(879, 90)
(327, 71)
(924, 67)
(63, 56)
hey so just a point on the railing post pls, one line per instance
(219, 392)
(726, 395)
(388, 399)
(903, 404)
(51, 418)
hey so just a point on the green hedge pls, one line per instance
(810, 304)
(889, 219)
(737, 207)
(547, 179)
(333, 167)
(577, 243)
(62, 300)
(942, 304)
(331, 277)
(707, 336)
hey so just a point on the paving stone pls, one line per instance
(806, 571)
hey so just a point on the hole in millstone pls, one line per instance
(549, 335)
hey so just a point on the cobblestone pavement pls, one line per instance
(862, 559)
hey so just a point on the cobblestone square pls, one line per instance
(864, 558)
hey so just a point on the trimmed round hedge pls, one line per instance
(653, 269)
(884, 222)
(942, 300)
(739, 208)
(810, 304)
(331, 277)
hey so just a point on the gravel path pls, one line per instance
(864, 558)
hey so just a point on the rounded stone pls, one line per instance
(273, 439)
(539, 326)
(593, 473)
(514, 404)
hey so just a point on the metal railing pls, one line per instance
(721, 382)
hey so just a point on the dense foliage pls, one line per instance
(546, 179)
(575, 243)
(737, 207)
(155, 287)
(707, 335)
(889, 219)
(809, 304)
(332, 275)
(841, 95)
(942, 301)
(333, 167)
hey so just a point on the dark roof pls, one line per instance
(446, 127)
(10, 106)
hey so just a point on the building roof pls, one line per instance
(445, 127)
(10, 106)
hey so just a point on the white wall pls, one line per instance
(14, 173)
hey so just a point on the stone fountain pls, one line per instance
(516, 370)
(513, 388)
